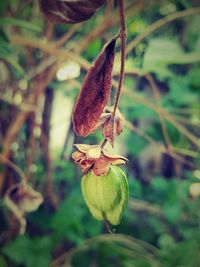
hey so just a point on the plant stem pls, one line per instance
(9, 163)
(123, 53)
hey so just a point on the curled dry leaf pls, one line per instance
(95, 92)
(22, 198)
(96, 158)
(69, 11)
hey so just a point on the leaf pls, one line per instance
(20, 23)
(67, 222)
(69, 11)
(29, 252)
(95, 91)
(162, 52)
(7, 54)
(3, 262)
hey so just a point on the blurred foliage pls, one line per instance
(161, 226)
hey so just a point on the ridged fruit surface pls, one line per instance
(106, 196)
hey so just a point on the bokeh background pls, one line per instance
(42, 67)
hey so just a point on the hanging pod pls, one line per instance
(106, 196)
(69, 11)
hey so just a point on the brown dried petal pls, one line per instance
(119, 125)
(113, 157)
(95, 91)
(102, 120)
(101, 166)
(68, 11)
(94, 153)
(77, 156)
(90, 151)
(117, 161)
(86, 164)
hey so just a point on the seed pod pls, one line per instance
(95, 91)
(69, 11)
(106, 196)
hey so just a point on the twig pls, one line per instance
(162, 149)
(132, 243)
(159, 23)
(162, 123)
(10, 164)
(109, 20)
(67, 35)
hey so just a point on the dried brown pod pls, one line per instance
(95, 91)
(69, 11)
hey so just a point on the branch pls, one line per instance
(10, 164)
(159, 23)
(157, 98)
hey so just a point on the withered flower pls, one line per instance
(110, 126)
(22, 198)
(25, 197)
(96, 158)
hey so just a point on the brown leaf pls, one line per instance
(95, 91)
(68, 11)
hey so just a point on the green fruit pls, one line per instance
(106, 196)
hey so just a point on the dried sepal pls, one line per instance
(95, 91)
(22, 198)
(91, 151)
(101, 166)
(109, 125)
(108, 130)
(68, 11)
(99, 162)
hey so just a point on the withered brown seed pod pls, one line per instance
(95, 91)
(69, 11)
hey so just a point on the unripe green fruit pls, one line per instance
(106, 196)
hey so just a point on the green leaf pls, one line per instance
(7, 55)
(162, 52)
(20, 23)
(67, 221)
(3, 262)
(185, 254)
(180, 91)
(30, 252)
(93, 48)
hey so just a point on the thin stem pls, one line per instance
(10, 164)
(162, 123)
(123, 53)
(159, 23)
(103, 143)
